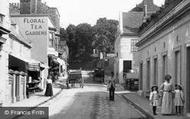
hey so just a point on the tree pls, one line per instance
(84, 40)
(63, 35)
(105, 30)
(71, 41)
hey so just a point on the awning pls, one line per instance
(34, 65)
(44, 66)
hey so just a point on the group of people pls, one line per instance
(168, 96)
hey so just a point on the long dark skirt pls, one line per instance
(49, 90)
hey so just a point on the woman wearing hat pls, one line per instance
(167, 99)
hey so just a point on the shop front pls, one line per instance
(17, 79)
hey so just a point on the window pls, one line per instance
(148, 75)
(133, 47)
(141, 76)
(177, 67)
(1, 18)
(127, 65)
(51, 39)
(11, 44)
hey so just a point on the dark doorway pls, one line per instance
(127, 66)
(188, 80)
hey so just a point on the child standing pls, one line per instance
(179, 99)
(154, 96)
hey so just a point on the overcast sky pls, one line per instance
(88, 11)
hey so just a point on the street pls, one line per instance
(90, 102)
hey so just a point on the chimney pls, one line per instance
(33, 6)
(145, 11)
(25, 7)
(148, 2)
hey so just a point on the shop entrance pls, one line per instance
(188, 81)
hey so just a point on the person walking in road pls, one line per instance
(167, 100)
(154, 96)
(179, 99)
(49, 89)
(111, 86)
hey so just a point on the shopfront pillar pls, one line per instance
(17, 85)
(12, 86)
(23, 85)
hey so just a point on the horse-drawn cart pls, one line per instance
(75, 76)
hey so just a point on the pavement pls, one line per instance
(38, 98)
(143, 105)
(140, 103)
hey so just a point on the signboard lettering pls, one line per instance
(36, 26)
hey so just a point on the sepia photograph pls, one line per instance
(94, 59)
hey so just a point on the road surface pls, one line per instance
(90, 102)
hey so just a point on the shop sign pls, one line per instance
(37, 26)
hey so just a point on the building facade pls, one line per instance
(125, 49)
(19, 58)
(4, 31)
(40, 32)
(163, 48)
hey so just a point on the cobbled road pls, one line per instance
(90, 102)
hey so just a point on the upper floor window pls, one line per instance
(50, 39)
(133, 47)
(1, 18)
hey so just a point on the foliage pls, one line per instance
(83, 38)
(105, 34)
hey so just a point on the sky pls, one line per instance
(88, 11)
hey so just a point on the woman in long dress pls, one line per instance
(167, 99)
(49, 89)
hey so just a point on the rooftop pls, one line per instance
(134, 19)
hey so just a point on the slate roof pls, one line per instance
(151, 7)
(132, 21)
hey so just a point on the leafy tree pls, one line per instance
(63, 35)
(71, 41)
(105, 30)
(84, 40)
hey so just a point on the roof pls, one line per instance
(151, 7)
(132, 21)
(168, 15)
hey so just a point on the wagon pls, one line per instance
(75, 76)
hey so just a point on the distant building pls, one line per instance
(125, 49)
(164, 48)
